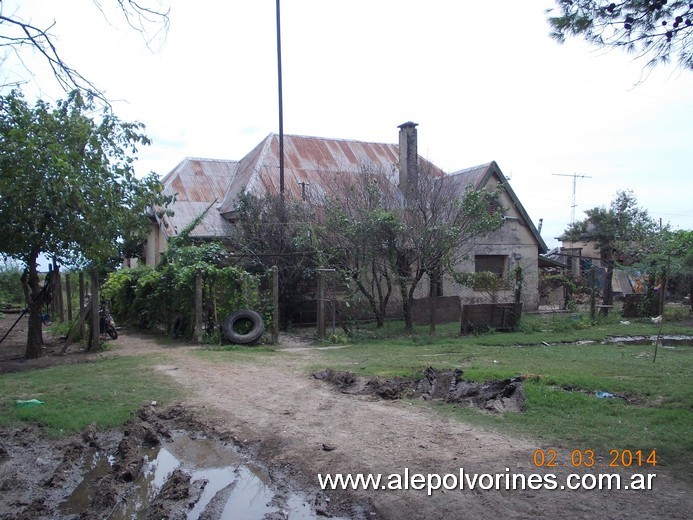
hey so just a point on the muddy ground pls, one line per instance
(296, 425)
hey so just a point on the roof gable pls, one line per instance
(481, 176)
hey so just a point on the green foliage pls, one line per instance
(68, 188)
(11, 292)
(271, 233)
(67, 181)
(653, 29)
(163, 298)
(384, 238)
(671, 256)
(483, 280)
(624, 233)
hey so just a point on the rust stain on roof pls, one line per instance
(197, 183)
(309, 161)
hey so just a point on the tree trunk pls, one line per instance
(433, 309)
(406, 305)
(35, 329)
(371, 300)
(94, 332)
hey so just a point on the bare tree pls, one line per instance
(353, 225)
(440, 216)
(388, 239)
(18, 33)
(272, 232)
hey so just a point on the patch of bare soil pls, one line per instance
(438, 385)
(298, 427)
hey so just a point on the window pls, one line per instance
(493, 263)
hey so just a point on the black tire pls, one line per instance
(256, 331)
(112, 332)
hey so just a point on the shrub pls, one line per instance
(163, 298)
(11, 292)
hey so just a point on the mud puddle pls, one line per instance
(224, 484)
(163, 464)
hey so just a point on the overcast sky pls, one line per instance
(483, 80)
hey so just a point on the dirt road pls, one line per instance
(302, 427)
(289, 417)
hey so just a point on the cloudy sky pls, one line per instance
(483, 80)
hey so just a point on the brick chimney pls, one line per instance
(408, 156)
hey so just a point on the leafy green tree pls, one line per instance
(653, 30)
(670, 259)
(623, 233)
(680, 248)
(67, 188)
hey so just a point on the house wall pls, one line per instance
(513, 240)
(579, 252)
(155, 245)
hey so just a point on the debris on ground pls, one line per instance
(440, 385)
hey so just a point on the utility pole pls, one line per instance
(575, 176)
(281, 110)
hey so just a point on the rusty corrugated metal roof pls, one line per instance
(197, 183)
(310, 161)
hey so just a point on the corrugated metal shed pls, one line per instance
(198, 184)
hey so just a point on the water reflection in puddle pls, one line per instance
(238, 489)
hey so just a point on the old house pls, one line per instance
(583, 255)
(214, 185)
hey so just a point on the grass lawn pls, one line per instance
(105, 392)
(653, 410)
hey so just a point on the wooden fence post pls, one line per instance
(51, 280)
(95, 337)
(433, 302)
(275, 304)
(199, 337)
(58, 292)
(321, 304)
(68, 296)
(593, 294)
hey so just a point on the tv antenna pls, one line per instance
(575, 177)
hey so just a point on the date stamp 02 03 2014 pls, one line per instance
(588, 458)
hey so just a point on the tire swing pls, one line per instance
(235, 326)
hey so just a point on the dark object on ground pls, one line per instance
(440, 385)
(250, 320)
(106, 323)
